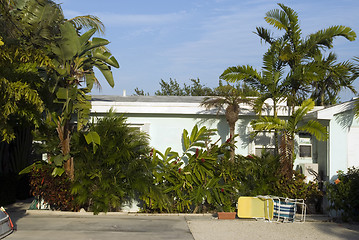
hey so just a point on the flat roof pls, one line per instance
(179, 99)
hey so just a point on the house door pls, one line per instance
(353, 147)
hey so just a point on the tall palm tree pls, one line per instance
(332, 78)
(229, 99)
(288, 128)
(299, 51)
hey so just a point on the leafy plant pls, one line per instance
(343, 194)
(56, 191)
(112, 164)
(190, 181)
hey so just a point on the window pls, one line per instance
(305, 151)
(264, 141)
(305, 145)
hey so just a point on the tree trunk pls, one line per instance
(286, 154)
(63, 131)
(232, 112)
(276, 142)
(232, 150)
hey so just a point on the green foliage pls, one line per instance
(297, 188)
(288, 128)
(252, 175)
(19, 100)
(172, 88)
(343, 195)
(54, 190)
(119, 168)
(190, 181)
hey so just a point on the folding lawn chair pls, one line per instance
(286, 209)
(255, 207)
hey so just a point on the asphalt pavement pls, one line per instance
(45, 225)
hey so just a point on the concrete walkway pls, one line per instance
(41, 225)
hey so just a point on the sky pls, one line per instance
(190, 39)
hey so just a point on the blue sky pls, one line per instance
(184, 39)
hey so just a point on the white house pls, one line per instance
(165, 117)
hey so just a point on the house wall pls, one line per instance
(165, 130)
(343, 143)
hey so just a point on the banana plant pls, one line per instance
(74, 59)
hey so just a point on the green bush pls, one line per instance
(113, 171)
(343, 195)
(191, 181)
(253, 175)
(203, 179)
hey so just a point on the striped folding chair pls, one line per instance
(285, 209)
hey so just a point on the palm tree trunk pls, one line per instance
(276, 142)
(232, 150)
(287, 154)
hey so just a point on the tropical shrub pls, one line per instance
(253, 175)
(343, 194)
(191, 181)
(297, 188)
(112, 164)
(56, 191)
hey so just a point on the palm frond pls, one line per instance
(316, 129)
(298, 115)
(325, 37)
(88, 22)
(277, 19)
(264, 34)
(245, 72)
(268, 123)
(356, 108)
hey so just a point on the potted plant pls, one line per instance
(227, 210)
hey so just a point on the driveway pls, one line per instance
(41, 225)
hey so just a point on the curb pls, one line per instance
(65, 213)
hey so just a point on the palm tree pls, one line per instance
(229, 99)
(332, 78)
(268, 82)
(288, 128)
(297, 51)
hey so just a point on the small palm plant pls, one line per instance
(229, 99)
(287, 129)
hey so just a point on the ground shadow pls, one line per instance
(17, 210)
(347, 231)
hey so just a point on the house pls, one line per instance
(341, 150)
(165, 117)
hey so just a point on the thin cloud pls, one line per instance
(141, 19)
